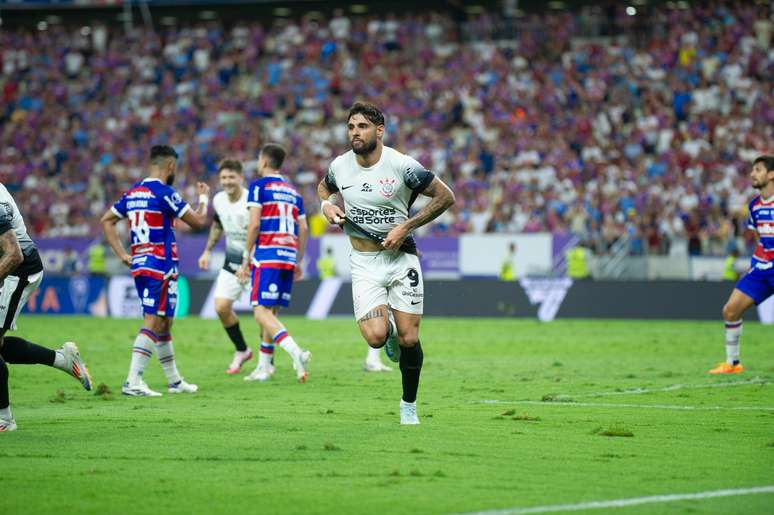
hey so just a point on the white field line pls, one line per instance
(632, 501)
(672, 388)
(637, 406)
(565, 399)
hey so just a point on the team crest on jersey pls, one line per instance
(387, 187)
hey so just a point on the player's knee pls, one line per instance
(375, 337)
(730, 312)
(223, 309)
(409, 340)
(261, 314)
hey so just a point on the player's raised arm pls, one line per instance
(109, 221)
(442, 199)
(326, 191)
(198, 219)
(215, 231)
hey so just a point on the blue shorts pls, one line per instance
(271, 287)
(157, 296)
(757, 284)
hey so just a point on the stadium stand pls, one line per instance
(644, 128)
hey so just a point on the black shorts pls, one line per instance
(17, 288)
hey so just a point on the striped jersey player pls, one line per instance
(758, 284)
(151, 206)
(276, 235)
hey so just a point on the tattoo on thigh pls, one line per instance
(374, 313)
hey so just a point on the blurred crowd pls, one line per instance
(645, 132)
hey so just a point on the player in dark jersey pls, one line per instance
(276, 240)
(21, 272)
(758, 284)
(151, 206)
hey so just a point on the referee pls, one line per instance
(378, 185)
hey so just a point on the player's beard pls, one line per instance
(171, 179)
(366, 148)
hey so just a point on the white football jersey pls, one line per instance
(10, 216)
(377, 198)
(233, 217)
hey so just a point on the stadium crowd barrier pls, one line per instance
(542, 298)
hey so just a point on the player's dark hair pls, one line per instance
(162, 152)
(767, 161)
(275, 154)
(230, 164)
(369, 111)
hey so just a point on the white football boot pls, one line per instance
(408, 413)
(260, 374)
(182, 387)
(7, 425)
(375, 366)
(74, 364)
(299, 365)
(240, 358)
(138, 388)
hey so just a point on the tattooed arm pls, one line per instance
(11, 254)
(442, 199)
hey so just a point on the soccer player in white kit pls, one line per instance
(231, 217)
(379, 185)
(21, 272)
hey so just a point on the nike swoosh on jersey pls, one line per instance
(345, 187)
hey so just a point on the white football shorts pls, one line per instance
(227, 286)
(14, 295)
(387, 277)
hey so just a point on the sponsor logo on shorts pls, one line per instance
(146, 300)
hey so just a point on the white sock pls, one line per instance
(141, 353)
(733, 334)
(266, 355)
(6, 414)
(166, 354)
(59, 360)
(373, 355)
(286, 343)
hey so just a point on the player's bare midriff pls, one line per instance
(363, 245)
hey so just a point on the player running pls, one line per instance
(231, 216)
(758, 284)
(21, 272)
(277, 234)
(152, 206)
(379, 185)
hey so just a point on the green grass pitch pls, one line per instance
(514, 414)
